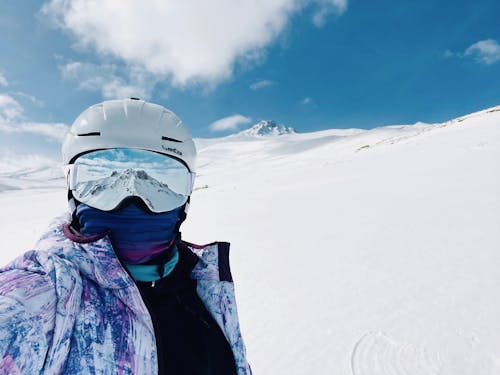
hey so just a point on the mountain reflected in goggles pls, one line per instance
(103, 179)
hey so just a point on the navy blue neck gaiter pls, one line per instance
(136, 234)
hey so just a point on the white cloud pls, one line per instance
(485, 51)
(12, 121)
(3, 80)
(52, 131)
(107, 79)
(261, 84)
(10, 109)
(31, 98)
(307, 100)
(326, 8)
(229, 123)
(186, 41)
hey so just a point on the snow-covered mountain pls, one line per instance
(30, 173)
(267, 128)
(129, 182)
(354, 252)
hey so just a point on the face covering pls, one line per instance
(137, 235)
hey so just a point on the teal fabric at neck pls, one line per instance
(149, 272)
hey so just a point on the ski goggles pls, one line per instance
(103, 179)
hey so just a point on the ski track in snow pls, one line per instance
(376, 353)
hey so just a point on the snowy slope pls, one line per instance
(29, 172)
(354, 252)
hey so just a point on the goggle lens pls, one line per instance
(104, 178)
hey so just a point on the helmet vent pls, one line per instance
(170, 139)
(89, 134)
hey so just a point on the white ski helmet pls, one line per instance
(129, 123)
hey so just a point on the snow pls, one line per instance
(266, 128)
(354, 252)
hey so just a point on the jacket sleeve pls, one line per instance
(27, 308)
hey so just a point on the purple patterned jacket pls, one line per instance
(69, 307)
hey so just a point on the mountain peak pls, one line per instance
(129, 173)
(268, 127)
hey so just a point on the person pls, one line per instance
(111, 288)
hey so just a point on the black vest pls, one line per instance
(188, 339)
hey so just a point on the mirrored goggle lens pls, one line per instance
(103, 179)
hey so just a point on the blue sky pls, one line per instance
(310, 64)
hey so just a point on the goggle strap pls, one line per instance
(69, 171)
(193, 175)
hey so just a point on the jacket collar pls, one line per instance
(93, 256)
